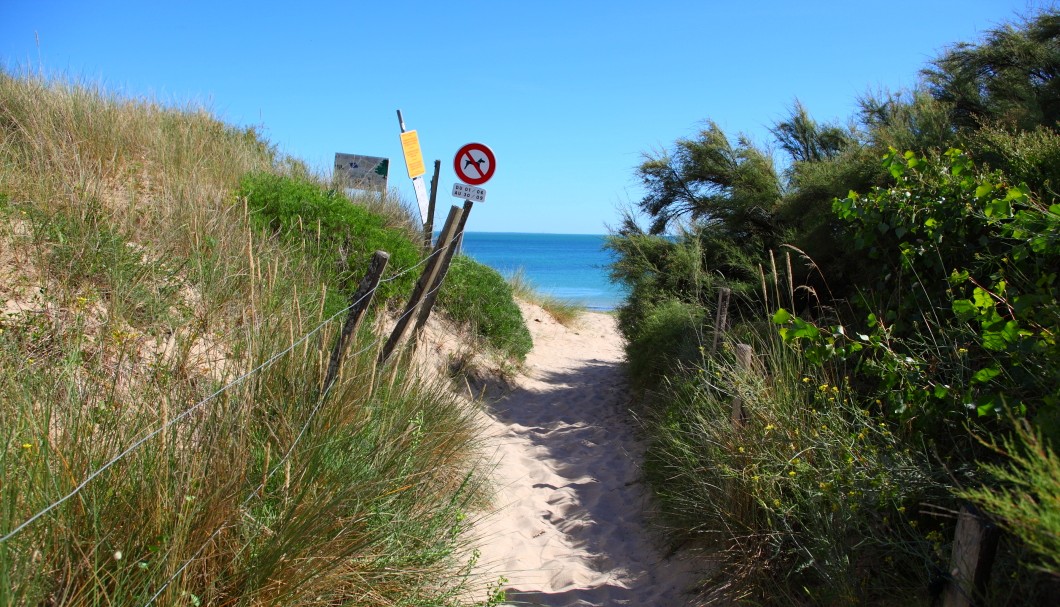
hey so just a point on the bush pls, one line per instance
(668, 338)
(335, 231)
(811, 499)
(479, 295)
(1025, 494)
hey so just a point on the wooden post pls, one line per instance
(430, 271)
(428, 228)
(432, 293)
(721, 317)
(745, 360)
(359, 302)
(974, 547)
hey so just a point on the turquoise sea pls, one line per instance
(567, 266)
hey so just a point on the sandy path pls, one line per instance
(569, 528)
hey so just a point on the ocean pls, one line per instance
(567, 266)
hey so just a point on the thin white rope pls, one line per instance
(217, 393)
(172, 422)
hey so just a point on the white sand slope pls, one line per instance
(569, 526)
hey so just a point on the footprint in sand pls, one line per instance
(569, 526)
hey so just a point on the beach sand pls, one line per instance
(569, 522)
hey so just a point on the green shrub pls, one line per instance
(479, 295)
(963, 315)
(668, 337)
(810, 501)
(1025, 494)
(338, 233)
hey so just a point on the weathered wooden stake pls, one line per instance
(359, 301)
(432, 293)
(974, 547)
(430, 271)
(721, 317)
(428, 227)
(745, 359)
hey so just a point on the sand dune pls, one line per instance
(569, 526)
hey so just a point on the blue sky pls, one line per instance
(567, 94)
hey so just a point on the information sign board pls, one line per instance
(362, 172)
(410, 145)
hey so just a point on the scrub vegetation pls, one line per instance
(171, 288)
(896, 276)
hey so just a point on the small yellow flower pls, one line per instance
(823, 388)
(806, 380)
(770, 427)
(741, 449)
(776, 503)
(27, 445)
(791, 474)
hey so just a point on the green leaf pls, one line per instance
(781, 317)
(964, 309)
(984, 190)
(1020, 193)
(983, 301)
(998, 208)
(986, 374)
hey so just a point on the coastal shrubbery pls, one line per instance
(479, 295)
(898, 284)
(163, 345)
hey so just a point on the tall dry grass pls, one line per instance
(135, 289)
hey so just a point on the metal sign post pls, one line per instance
(410, 145)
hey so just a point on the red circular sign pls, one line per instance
(474, 164)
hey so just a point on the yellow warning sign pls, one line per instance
(410, 145)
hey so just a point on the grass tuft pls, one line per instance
(564, 311)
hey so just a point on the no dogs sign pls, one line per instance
(474, 164)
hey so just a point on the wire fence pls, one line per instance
(239, 380)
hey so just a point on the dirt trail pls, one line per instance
(569, 527)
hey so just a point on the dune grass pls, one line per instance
(138, 289)
(565, 312)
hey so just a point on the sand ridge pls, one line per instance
(569, 525)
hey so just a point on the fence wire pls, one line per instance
(202, 403)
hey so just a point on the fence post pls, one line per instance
(359, 302)
(432, 294)
(974, 547)
(721, 317)
(428, 227)
(745, 361)
(430, 271)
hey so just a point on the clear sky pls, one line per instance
(567, 94)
